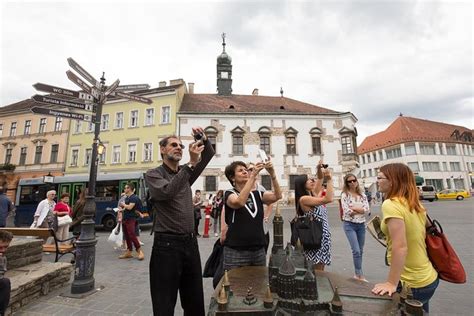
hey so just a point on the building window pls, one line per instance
(455, 166)
(265, 134)
(369, 160)
(54, 153)
(393, 153)
(74, 157)
(8, 155)
(210, 183)
(88, 156)
(414, 166)
(450, 149)
(13, 129)
(346, 143)
(445, 166)
(119, 120)
(363, 159)
(437, 183)
(165, 114)
(290, 135)
(1, 130)
(211, 134)
(42, 126)
(430, 166)
(427, 149)
(38, 153)
(116, 154)
(23, 151)
(90, 127)
(58, 124)
(370, 172)
(78, 128)
(104, 124)
(134, 118)
(266, 181)
(316, 141)
(364, 172)
(132, 152)
(150, 117)
(237, 141)
(101, 157)
(380, 155)
(27, 130)
(410, 149)
(147, 152)
(459, 184)
(292, 180)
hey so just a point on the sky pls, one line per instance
(376, 59)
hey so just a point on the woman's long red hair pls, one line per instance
(403, 185)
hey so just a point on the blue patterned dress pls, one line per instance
(323, 254)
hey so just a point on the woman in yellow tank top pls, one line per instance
(404, 221)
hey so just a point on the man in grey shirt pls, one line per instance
(175, 260)
(6, 207)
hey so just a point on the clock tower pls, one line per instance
(224, 71)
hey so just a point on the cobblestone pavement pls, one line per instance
(125, 282)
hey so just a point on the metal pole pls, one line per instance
(85, 246)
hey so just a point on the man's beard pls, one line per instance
(173, 158)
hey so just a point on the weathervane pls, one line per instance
(223, 41)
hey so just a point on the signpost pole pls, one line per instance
(85, 246)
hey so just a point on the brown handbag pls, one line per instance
(442, 254)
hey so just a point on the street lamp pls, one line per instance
(84, 281)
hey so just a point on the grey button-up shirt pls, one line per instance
(171, 194)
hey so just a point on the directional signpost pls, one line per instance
(91, 99)
(133, 87)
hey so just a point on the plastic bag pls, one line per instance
(116, 236)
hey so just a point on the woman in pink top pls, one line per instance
(61, 209)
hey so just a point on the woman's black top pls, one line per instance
(245, 230)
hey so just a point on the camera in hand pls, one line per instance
(198, 136)
(324, 165)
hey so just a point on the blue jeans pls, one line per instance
(356, 235)
(423, 294)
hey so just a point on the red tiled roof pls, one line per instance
(406, 129)
(213, 103)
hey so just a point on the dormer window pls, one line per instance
(290, 135)
(231, 107)
(348, 140)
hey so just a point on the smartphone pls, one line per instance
(263, 155)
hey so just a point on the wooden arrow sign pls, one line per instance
(61, 102)
(112, 87)
(133, 87)
(61, 91)
(63, 114)
(74, 65)
(131, 97)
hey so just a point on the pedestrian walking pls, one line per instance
(404, 225)
(78, 212)
(44, 216)
(197, 203)
(217, 204)
(6, 207)
(175, 264)
(244, 243)
(311, 200)
(355, 206)
(129, 207)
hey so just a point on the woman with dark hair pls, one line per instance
(244, 240)
(354, 205)
(404, 225)
(78, 213)
(217, 204)
(310, 200)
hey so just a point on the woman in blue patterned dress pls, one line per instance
(310, 200)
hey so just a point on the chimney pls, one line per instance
(191, 87)
(162, 84)
(255, 91)
(176, 81)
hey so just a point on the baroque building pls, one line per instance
(32, 145)
(442, 154)
(294, 134)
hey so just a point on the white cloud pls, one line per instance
(373, 58)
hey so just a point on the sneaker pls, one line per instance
(127, 254)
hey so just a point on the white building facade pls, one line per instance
(442, 154)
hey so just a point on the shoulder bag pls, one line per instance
(442, 254)
(309, 230)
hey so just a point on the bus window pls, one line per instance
(107, 191)
(32, 194)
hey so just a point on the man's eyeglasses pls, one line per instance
(351, 181)
(176, 145)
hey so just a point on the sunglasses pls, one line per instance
(174, 145)
(351, 181)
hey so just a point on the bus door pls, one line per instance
(75, 192)
(64, 188)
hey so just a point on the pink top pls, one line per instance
(63, 208)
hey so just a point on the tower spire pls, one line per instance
(223, 42)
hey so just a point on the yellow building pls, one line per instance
(130, 131)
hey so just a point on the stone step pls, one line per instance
(35, 280)
(24, 251)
